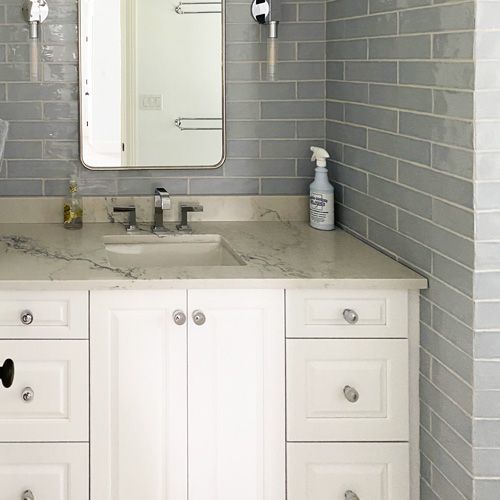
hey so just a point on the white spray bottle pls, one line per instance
(321, 193)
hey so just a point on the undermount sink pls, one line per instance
(171, 250)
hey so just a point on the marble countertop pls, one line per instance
(277, 255)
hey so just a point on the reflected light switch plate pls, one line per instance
(151, 102)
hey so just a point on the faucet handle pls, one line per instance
(132, 218)
(185, 208)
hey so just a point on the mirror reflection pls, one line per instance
(152, 83)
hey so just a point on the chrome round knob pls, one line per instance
(351, 394)
(179, 317)
(199, 318)
(28, 394)
(28, 495)
(350, 316)
(350, 495)
(27, 317)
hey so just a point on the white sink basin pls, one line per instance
(172, 250)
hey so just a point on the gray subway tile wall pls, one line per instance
(400, 122)
(270, 125)
(487, 260)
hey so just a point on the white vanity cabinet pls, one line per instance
(187, 381)
(256, 394)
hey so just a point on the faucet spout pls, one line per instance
(162, 202)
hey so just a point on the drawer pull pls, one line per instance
(7, 373)
(28, 394)
(350, 316)
(351, 394)
(28, 495)
(27, 317)
(350, 495)
(179, 317)
(199, 318)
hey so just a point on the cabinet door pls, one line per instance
(236, 373)
(138, 396)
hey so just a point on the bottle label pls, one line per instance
(71, 215)
(321, 208)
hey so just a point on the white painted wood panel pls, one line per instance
(319, 313)
(57, 372)
(55, 471)
(56, 315)
(138, 396)
(327, 471)
(320, 370)
(237, 395)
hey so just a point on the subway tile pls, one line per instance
(391, 192)
(453, 45)
(454, 103)
(371, 71)
(372, 208)
(259, 168)
(346, 49)
(445, 130)
(371, 162)
(398, 244)
(487, 433)
(400, 47)
(291, 186)
(455, 331)
(437, 18)
(452, 273)
(458, 448)
(346, 8)
(454, 161)
(487, 404)
(455, 75)
(451, 413)
(452, 217)
(452, 385)
(400, 147)
(487, 345)
(439, 239)
(293, 109)
(447, 354)
(373, 117)
(348, 134)
(427, 180)
(353, 220)
(417, 99)
(388, 5)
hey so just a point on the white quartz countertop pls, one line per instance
(277, 255)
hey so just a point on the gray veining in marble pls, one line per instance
(276, 254)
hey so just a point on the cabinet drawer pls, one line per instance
(49, 471)
(324, 471)
(347, 313)
(347, 390)
(55, 374)
(55, 315)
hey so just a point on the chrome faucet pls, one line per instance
(162, 203)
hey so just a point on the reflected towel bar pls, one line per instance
(179, 9)
(178, 123)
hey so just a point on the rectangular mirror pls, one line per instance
(152, 83)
